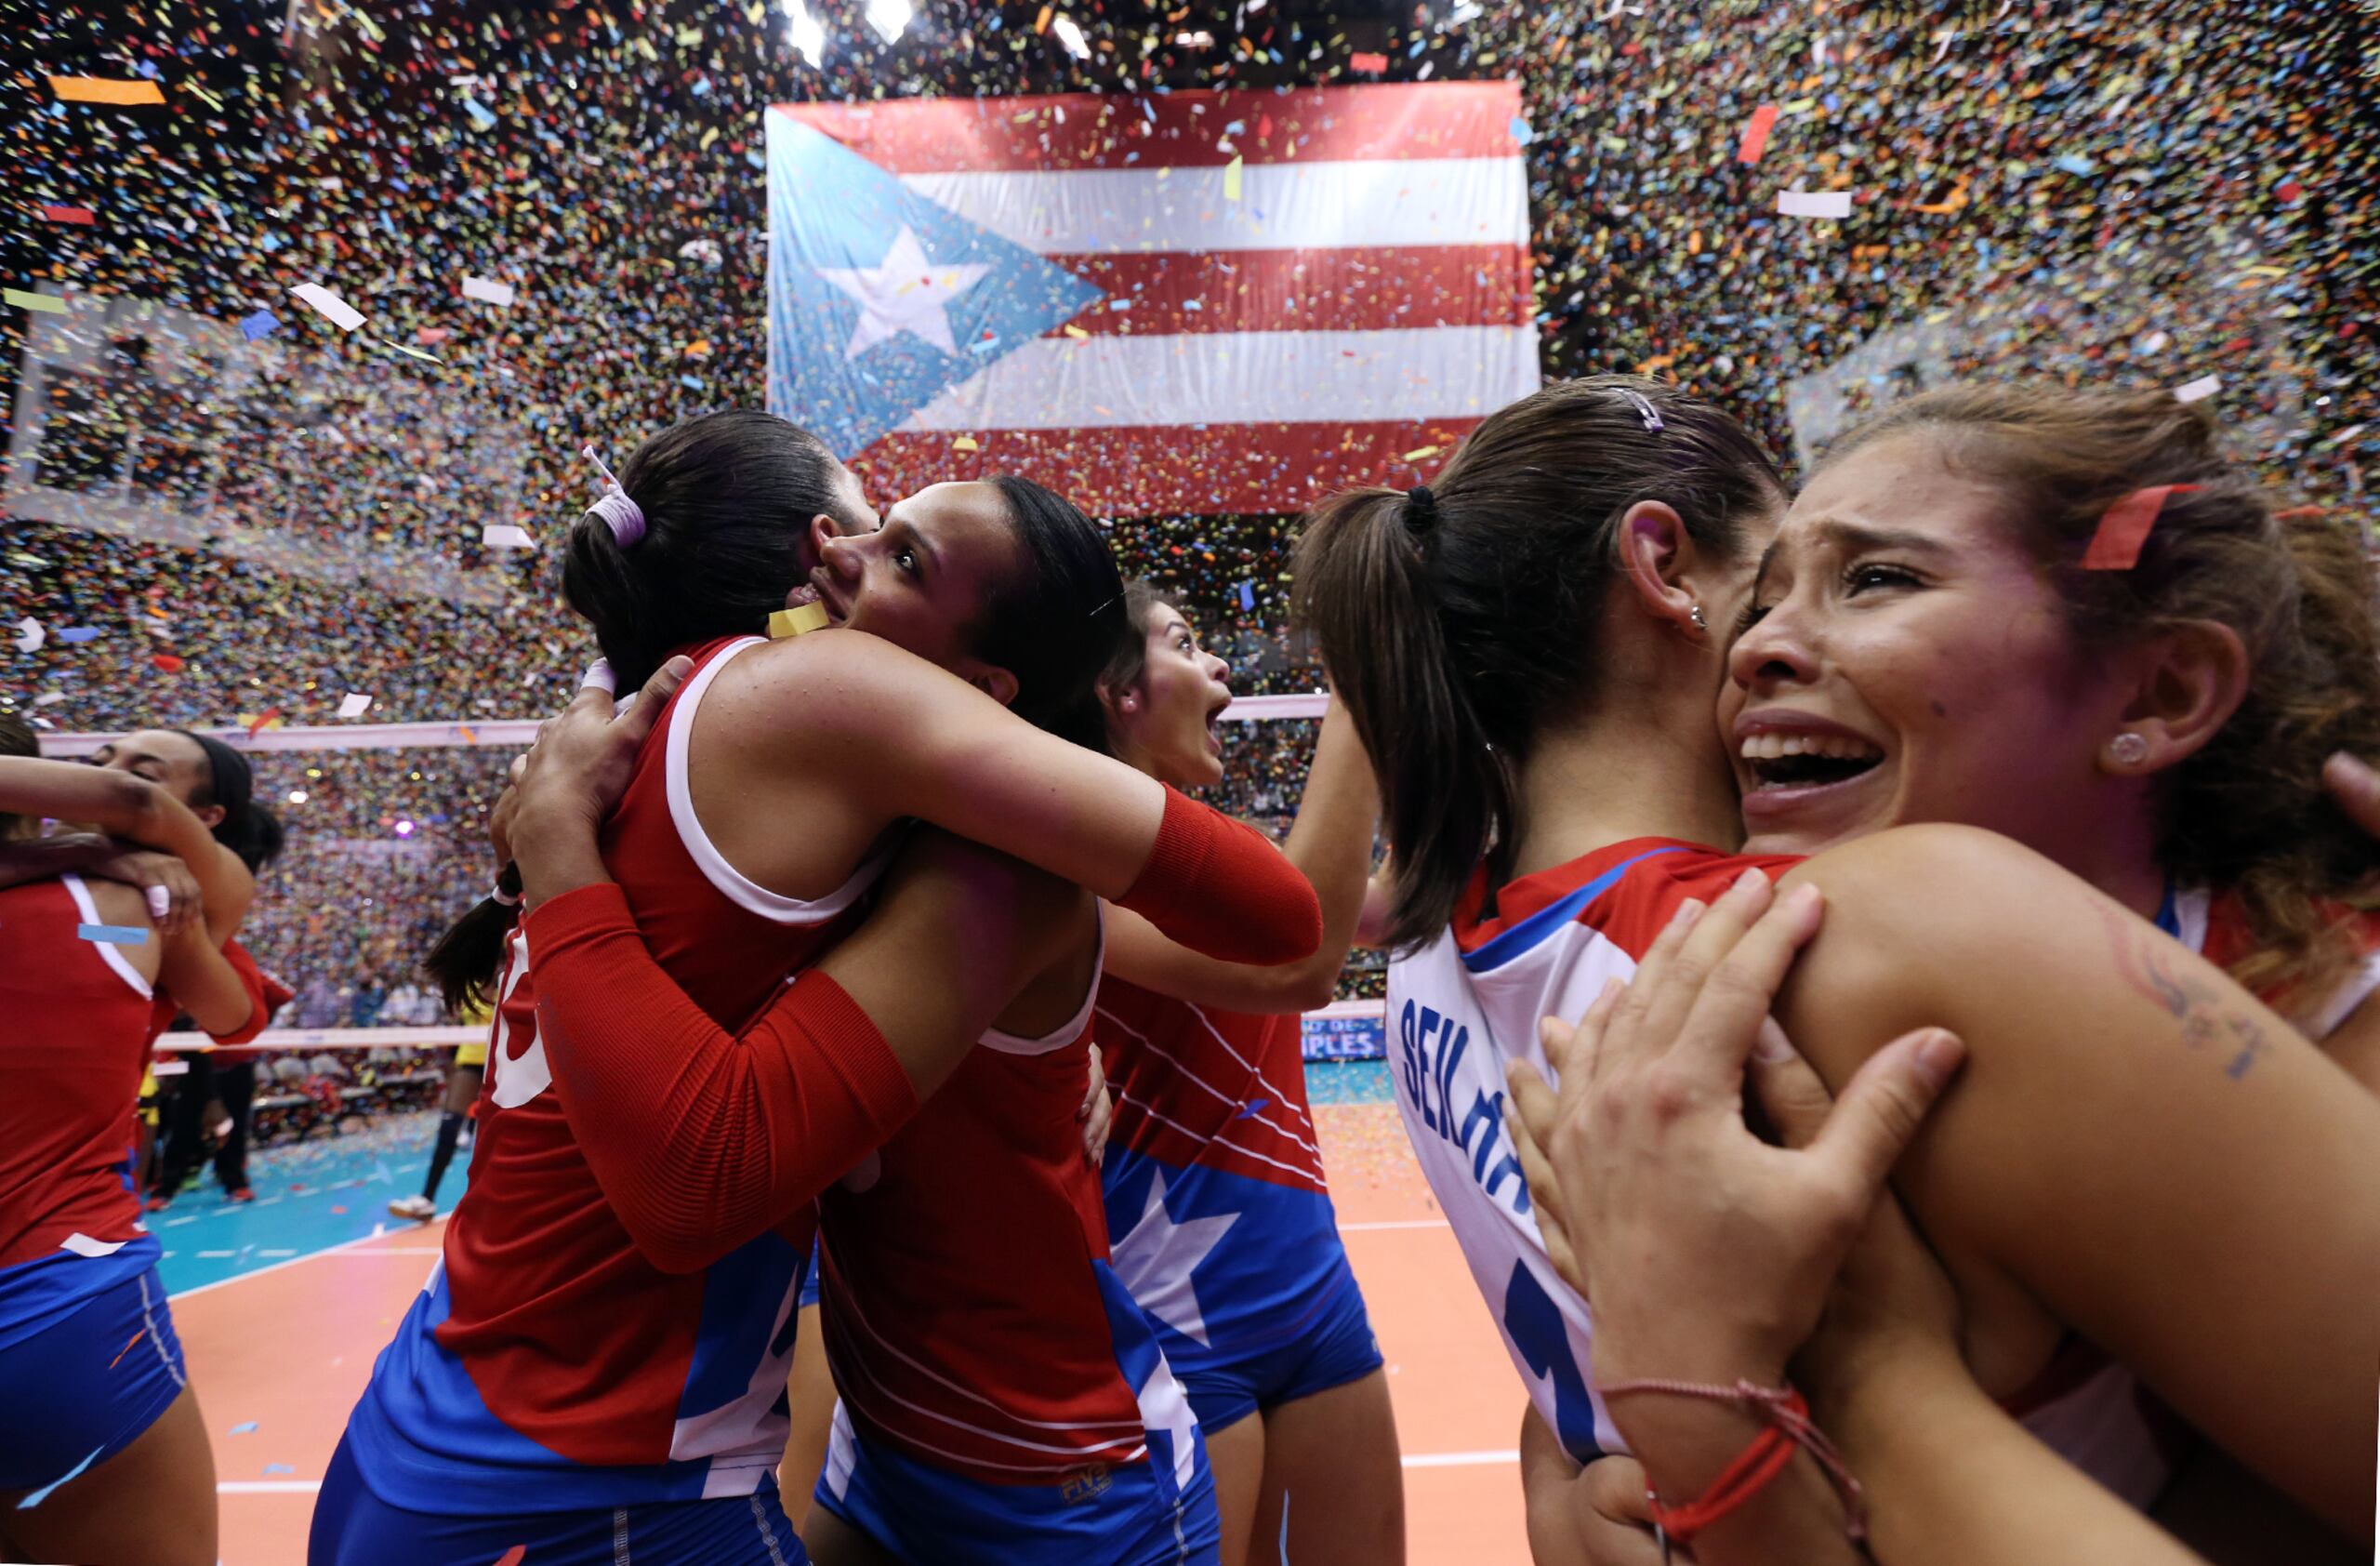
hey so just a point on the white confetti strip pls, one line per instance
(336, 311)
(1814, 204)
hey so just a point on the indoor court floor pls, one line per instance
(282, 1305)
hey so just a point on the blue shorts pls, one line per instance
(1125, 1514)
(1331, 1347)
(83, 1385)
(353, 1527)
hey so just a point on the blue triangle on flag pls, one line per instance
(879, 300)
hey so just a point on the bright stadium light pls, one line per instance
(889, 17)
(1071, 37)
(803, 32)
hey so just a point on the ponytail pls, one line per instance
(723, 506)
(2300, 860)
(1447, 793)
(463, 963)
(1457, 619)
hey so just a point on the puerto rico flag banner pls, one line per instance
(1196, 301)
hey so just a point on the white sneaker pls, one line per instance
(419, 1207)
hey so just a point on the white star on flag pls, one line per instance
(904, 293)
(1157, 1257)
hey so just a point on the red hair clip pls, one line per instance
(2125, 527)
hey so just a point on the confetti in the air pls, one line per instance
(354, 705)
(336, 311)
(1814, 204)
(1756, 137)
(101, 89)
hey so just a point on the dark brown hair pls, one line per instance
(2248, 812)
(728, 499)
(1458, 621)
(1132, 658)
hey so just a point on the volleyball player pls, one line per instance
(2219, 828)
(116, 1466)
(464, 1077)
(1217, 1204)
(603, 1349)
(222, 989)
(1543, 615)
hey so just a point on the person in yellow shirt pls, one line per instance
(463, 1080)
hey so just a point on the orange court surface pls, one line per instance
(280, 1354)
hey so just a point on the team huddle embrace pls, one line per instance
(1899, 949)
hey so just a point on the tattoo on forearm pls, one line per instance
(2146, 962)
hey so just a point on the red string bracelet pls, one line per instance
(1766, 1455)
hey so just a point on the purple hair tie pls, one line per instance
(624, 516)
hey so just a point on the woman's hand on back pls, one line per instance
(572, 778)
(1667, 1193)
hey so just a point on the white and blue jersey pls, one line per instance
(1464, 1006)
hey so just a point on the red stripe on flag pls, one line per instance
(1302, 290)
(1152, 470)
(1177, 130)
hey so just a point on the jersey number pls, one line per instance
(1534, 1322)
(517, 1080)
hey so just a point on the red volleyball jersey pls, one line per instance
(972, 1315)
(551, 1364)
(1196, 1085)
(73, 1046)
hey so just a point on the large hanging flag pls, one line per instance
(1198, 301)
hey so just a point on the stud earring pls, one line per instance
(1694, 612)
(2128, 749)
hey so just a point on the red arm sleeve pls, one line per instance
(267, 995)
(701, 1139)
(1222, 888)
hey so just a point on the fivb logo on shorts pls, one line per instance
(1085, 1484)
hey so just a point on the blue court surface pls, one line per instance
(326, 1191)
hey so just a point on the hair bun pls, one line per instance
(1421, 509)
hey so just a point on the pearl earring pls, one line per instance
(2128, 749)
